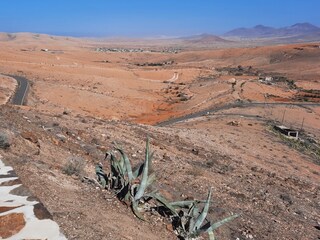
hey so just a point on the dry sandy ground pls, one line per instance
(253, 171)
(7, 87)
(71, 71)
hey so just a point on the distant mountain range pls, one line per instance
(260, 31)
(299, 32)
(260, 34)
(204, 39)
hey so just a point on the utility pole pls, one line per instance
(283, 116)
(265, 105)
(302, 124)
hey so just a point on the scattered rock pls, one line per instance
(41, 212)
(195, 151)
(169, 227)
(70, 133)
(11, 224)
(84, 120)
(286, 198)
(55, 141)
(185, 95)
(254, 168)
(11, 182)
(61, 137)
(102, 148)
(29, 136)
(9, 174)
(166, 157)
(234, 123)
(6, 209)
(21, 191)
(55, 124)
(96, 141)
(66, 112)
(4, 141)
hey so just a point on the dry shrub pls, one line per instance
(74, 166)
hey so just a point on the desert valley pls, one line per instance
(210, 106)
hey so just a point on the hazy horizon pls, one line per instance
(150, 19)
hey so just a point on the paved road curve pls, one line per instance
(228, 106)
(21, 93)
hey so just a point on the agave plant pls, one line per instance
(130, 186)
(191, 223)
(137, 181)
(187, 220)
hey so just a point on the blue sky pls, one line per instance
(149, 18)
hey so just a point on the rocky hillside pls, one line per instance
(246, 178)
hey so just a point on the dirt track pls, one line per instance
(229, 106)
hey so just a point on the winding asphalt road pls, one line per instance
(229, 106)
(21, 93)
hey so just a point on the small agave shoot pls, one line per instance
(191, 223)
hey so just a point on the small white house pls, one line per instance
(268, 79)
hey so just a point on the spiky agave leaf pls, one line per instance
(193, 215)
(102, 177)
(203, 214)
(183, 224)
(186, 203)
(122, 167)
(151, 179)
(219, 224)
(124, 192)
(163, 201)
(135, 210)
(118, 180)
(114, 165)
(127, 164)
(211, 235)
(114, 174)
(144, 180)
(138, 170)
(119, 163)
(133, 190)
(151, 157)
(209, 228)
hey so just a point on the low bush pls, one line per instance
(74, 166)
